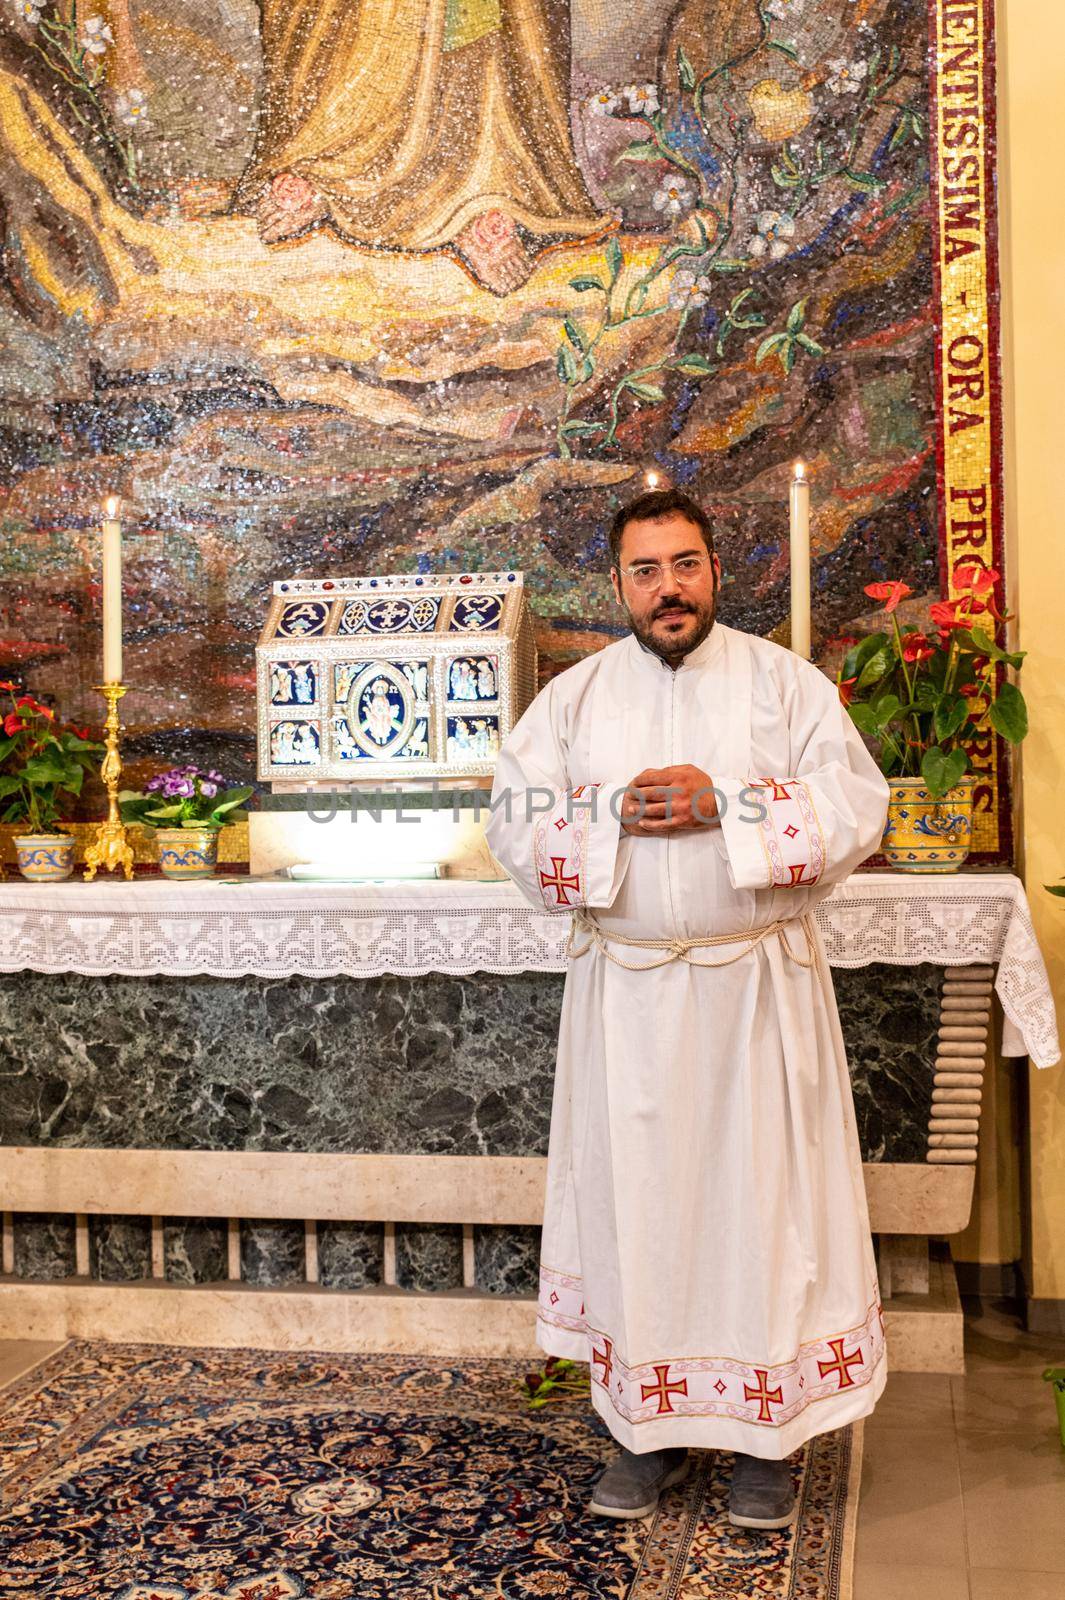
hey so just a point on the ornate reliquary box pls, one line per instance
(364, 680)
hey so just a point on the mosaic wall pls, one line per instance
(340, 286)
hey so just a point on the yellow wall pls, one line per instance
(1032, 221)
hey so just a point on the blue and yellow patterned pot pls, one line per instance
(44, 857)
(926, 835)
(187, 852)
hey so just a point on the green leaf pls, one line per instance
(811, 346)
(642, 150)
(230, 799)
(859, 654)
(566, 364)
(864, 717)
(796, 316)
(614, 259)
(983, 642)
(1054, 888)
(863, 180)
(949, 716)
(646, 391)
(581, 430)
(885, 709)
(9, 784)
(685, 70)
(877, 667)
(941, 771)
(574, 334)
(729, 264)
(581, 284)
(784, 179)
(694, 364)
(44, 769)
(785, 49)
(769, 346)
(1008, 714)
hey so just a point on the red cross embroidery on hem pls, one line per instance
(560, 883)
(791, 830)
(663, 1391)
(764, 1395)
(560, 822)
(842, 1364)
(720, 1387)
(606, 1361)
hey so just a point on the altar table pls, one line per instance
(216, 1096)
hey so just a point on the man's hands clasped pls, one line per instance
(664, 800)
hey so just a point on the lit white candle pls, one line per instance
(112, 592)
(799, 507)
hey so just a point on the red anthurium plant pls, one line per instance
(924, 693)
(42, 763)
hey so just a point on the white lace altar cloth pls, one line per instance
(274, 928)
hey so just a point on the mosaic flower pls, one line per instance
(688, 290)
(604, 103)
(642, 98)
(846, 77)
(773, 230)
(673, 197)
(131, 107)
(28, 11)
(779, 113)
(97, 36)
(784, 10)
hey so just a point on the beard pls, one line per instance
(660, 642)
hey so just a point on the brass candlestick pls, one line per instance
(110, 849)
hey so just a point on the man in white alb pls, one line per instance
(687, 796)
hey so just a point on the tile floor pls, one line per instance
(963, 1481)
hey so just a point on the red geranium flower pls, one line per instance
(846, 690)
(79, 733)
(8, 685)
(12, 723)
(890, 593)
(917, 647)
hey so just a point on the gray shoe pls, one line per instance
(631, 1485)
(761, 1495)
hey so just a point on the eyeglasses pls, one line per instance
(649, 574)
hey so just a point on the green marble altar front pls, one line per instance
(437, 1065)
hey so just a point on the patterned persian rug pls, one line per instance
(141, 1473)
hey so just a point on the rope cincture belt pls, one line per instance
(680, 949)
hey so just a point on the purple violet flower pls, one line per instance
(208, 789)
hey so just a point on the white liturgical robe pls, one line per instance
(706, 1241)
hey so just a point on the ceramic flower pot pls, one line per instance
(926, 835)
(187, 852)
(44, 857)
